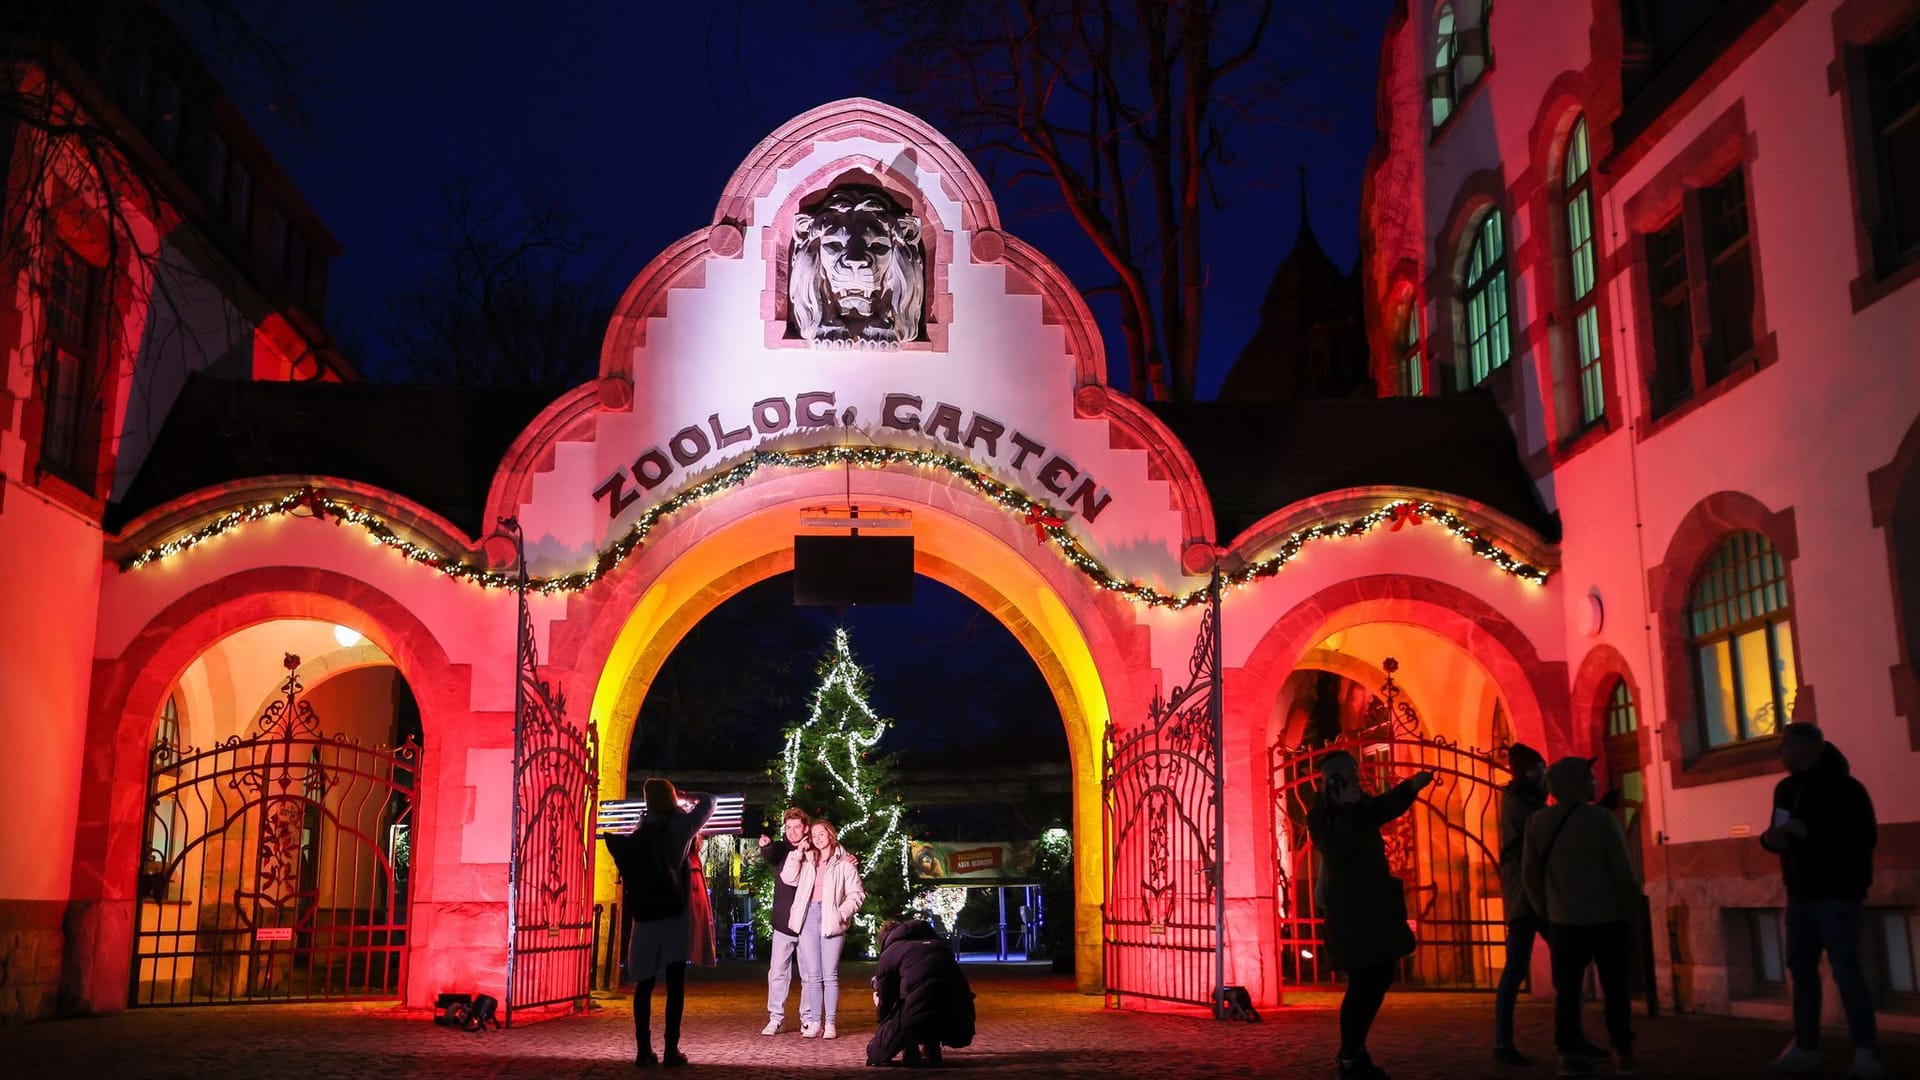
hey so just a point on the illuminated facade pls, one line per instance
(1677, 247)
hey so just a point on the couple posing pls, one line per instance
(815, 895)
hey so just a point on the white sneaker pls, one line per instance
(1866, 1063)
(809, 1031)
(773, 1026)
(829, 1033)
(1799, 1059)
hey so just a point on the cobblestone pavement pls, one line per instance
(1030, 1024)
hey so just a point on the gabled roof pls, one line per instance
(436, 445)
(1259, 457)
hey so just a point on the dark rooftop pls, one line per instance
(436, 445)
(1257, 457)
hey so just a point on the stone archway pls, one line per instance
(1082, 642)
(127, 694)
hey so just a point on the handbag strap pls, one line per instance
(1546, 853)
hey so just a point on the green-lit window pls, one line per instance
(1485, 298)
(1577, 193)
(1621, 717)
(1441, 92)
(1411, 380)
(1741, 624)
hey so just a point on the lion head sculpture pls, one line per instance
(857, 276)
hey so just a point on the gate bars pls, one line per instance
(276, 867)
(1163, 820)
(556, 771)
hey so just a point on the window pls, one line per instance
(1485, 298)
(1766, 943)
(1621, 717)
(69, 365)
(219, 160)
(1741, 625)
(1701, 260)
(1900, 944)
(1410, 379)
(1672, 316)
(166, 735)
(1577, 194)
(1893, 106)
(1723, 211)
(1446, 49)
(240, 199)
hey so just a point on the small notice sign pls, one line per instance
(1742, 830)
(273, 933)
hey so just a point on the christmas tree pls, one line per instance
(829, 767)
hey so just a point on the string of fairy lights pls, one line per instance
(319, 503)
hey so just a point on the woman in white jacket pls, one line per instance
(826, 894)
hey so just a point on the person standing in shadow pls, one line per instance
(1363, 904)
(654, 862)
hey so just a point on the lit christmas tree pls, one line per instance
(829, 768)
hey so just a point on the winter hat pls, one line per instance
(1522, 757)
(1571, 780)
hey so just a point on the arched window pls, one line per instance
(1740, 621)
(1624, 768)
(166, 734)
(1485, 299)
(1446, 49)
(1621, 717)
(1577, 196)
(1409, 378)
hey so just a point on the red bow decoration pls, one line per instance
(315, 500)
(1041, 521)
(1404, 514)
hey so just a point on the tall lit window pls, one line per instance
(1446, 49)
(1893, 102)
(1485, 298)
(69, 364)
(1411, 381)
(1577, 193)
(1741, 624)
(1621, 717)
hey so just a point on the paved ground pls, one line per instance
(1031, 1024)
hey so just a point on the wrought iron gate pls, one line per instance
(556, 775)
(1165, 910)
(1445, 849)
(276, 867)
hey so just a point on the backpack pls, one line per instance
(654, 870)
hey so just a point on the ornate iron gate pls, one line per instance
(1446, 850)
(556, 776)
(1165, 910)
(276, 867)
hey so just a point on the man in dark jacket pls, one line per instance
(785, 940)
(921, 995)
(1524, 796)
(1824, 831)
(1363, 904)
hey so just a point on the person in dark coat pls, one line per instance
(1524, 796)
(1364, 906)
(654, 863)
(921, 995)
(785, 942)
(1824, 832)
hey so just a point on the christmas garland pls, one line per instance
(1047, 527)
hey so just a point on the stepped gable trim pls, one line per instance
(181, 515)
(1496, 525)
(1132, 426)
(532, 452)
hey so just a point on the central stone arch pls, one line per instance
(1086, 644)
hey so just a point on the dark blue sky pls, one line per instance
(635, 114)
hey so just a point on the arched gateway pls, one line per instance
(852, 327)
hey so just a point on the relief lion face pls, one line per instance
(857, 272)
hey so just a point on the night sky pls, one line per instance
(634, 115)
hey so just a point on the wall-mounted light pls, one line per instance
(347, 636)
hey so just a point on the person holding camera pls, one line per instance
(654, 862)
(785, 941)
(1363, 905)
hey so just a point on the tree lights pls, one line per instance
(1032, 513)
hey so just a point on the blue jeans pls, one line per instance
(1520, 935)
(819, 970)
(1833, 926)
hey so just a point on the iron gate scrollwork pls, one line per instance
(1444, 850)
(556, 775)
(1165, 910)
(277, 864)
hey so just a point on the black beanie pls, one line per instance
(1521, 757)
